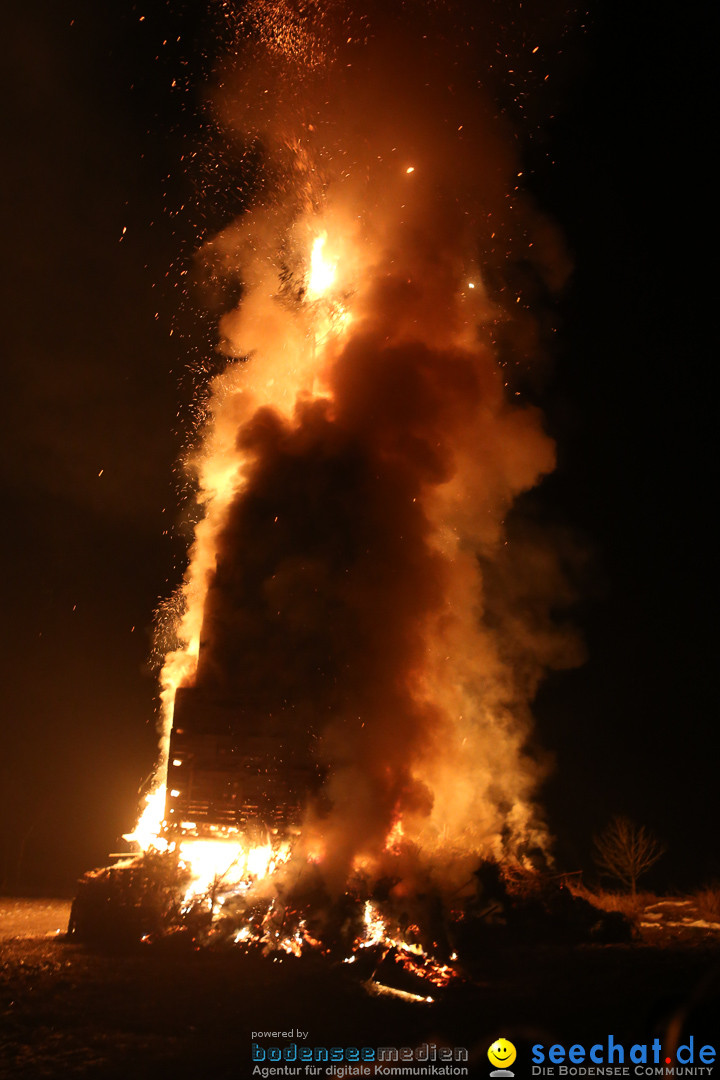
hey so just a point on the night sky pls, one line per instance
(95, 242)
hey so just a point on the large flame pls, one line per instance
(369, 335)
(220, 479)
(228, 865)
(322, 271)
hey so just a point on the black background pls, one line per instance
(93, 378)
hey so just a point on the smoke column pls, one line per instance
(352, 577)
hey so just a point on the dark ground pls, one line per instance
(70, 1011)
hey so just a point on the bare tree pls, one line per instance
(626, 851)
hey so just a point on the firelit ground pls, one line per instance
(67, 1011)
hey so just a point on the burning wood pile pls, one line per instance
(414, 946)
(348, 666)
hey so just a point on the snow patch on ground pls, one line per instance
(23, 918)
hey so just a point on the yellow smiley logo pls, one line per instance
(502, 1053)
